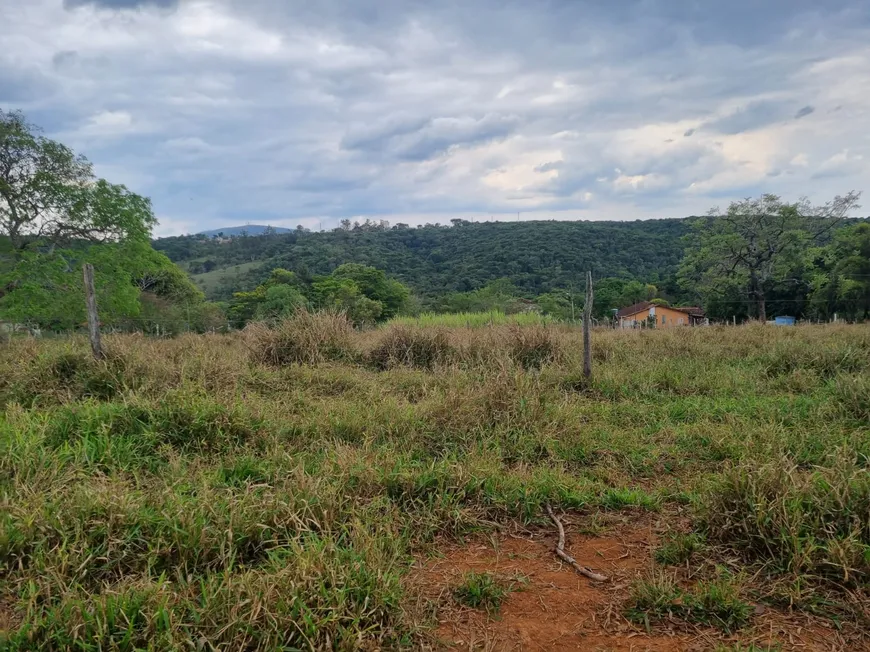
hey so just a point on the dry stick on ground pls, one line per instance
(560, 551)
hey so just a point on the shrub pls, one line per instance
(304, 338)
(422, 348)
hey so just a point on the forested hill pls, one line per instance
(536, 256)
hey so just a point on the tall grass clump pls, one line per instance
(532, 347)
(807, 523)
(852, 396)
(422, 348)
(305, 338)
(55, 372)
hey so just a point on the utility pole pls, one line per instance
(587, 319)
(93, 319)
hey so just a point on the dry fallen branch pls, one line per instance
(560, 551)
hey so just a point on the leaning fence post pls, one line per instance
(93, 319)
(587, 318)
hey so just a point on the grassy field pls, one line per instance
(209, 281)
(277, 488)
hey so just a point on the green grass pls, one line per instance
(270, 489)
(678, 548)
(716, 602)
(482, 591)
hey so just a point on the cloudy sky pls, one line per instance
(296, 112)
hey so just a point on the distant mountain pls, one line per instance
(250, 229)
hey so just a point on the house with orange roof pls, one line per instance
(647, 314)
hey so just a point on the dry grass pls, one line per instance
(305, 338)
(268, 488)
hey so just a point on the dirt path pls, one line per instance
(554, 608)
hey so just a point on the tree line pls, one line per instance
(760, 257)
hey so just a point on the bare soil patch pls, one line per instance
(555, 608)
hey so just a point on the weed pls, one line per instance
(678, 548)
(533, 347)
(482, 591)
(717, 602)
(622, 498)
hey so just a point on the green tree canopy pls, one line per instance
(841, 283)
(277, 297)
(755, 247)
(54, 216)
(50, 196)
(345, 295)
(374, 284)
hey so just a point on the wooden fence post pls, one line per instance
(587, 320)
(93, 319)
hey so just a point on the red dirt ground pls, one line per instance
(555, 608)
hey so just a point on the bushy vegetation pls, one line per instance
(56, 215)
(810, 522)
(268, 488)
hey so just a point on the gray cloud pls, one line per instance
(119, 4)
(420, 142)
(752, 116)
(290, 110)
(550, 166)
(19, 86)
(805, 111)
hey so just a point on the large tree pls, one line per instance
(756, 246)
(50, 197)
(55, 215)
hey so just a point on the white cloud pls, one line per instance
(281, 111)
(110, 122)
